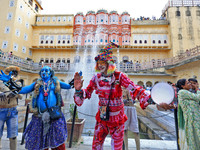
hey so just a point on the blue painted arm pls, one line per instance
(27, 89)
(4, 77)
(64, 85)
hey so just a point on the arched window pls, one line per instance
(135, 41)
(125, 59)
(68, 39)
(41, 60)
(89, 59)
(47, 39)
(159, 41)
(46, 60)
(140, 83)
(58, 60)
(77, 59)
(159, 62)
(153, 62)
(148, 84)
(51, 60)
(59, 39)
(64, 39)
(63, 60)
(42, 39)
(179, 36)
(68, 60)
(51, 39)
(115, 59)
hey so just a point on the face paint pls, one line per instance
(102, 65)
(45, 72)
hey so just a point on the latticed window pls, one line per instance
(188, 13)
(64, 39)
(59, 39)
(179, 36)
(178, 13)
(42, 39)
(11, 3)
(47, 39)
(51, 60)
(198, 12)
(51, 39)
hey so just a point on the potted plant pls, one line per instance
(78, 125)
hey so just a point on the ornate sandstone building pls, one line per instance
(151, 50)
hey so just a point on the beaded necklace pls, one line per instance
(46, 87)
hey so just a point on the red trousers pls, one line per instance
(100, 133)
(61, 147)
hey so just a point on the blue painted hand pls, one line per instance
(4, 77)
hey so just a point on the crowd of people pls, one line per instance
(148, 18)
(116, 111)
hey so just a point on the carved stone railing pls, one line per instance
(30, 66)
(181, 3)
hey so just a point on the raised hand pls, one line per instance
(78, 83)
(4, 77)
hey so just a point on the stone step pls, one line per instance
(158, 124)
(86, 144)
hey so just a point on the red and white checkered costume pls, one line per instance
(115, 125)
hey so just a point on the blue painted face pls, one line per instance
(45, 72)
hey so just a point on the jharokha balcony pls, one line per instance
(189, 55)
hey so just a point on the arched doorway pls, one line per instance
(89, 59)
(77, 59)
(148, 84)
(125, 59)
(140, 83)
(68, 60)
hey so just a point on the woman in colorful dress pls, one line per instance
(107, 84)
(188, 116)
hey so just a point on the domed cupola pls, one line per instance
(102, 11)
(125, 18)
(102, 16)
(113, 12)
(90, 17)
(79, 18)
(114, 17)
(91, 12)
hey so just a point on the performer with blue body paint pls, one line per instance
(43, 132)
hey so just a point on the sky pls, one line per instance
(135, 8)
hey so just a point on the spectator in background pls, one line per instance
(132, 122)
(10, 54)
(188, 52)
(188, 115)
(194, 83)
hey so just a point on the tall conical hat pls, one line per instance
(106, 53)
